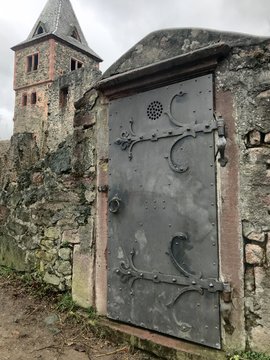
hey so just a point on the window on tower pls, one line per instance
(75, 64)
(63, 97)
(75, 35)
(29, 63)
(24, 100)
(33, 98)
(35, 56)
(40, 30)
(32, 62)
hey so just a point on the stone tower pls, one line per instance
(55, 49)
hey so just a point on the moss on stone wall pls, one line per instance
(45, 209)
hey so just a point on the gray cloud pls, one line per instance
(247, 15)
(6, 76)
(128, 21)
(6, 124)
(113, 26)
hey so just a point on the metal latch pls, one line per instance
(221, 142)
(103, 188)
(227, 292)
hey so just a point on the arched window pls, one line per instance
(40, 30)
(75, 35)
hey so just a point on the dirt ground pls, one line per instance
(32, 328)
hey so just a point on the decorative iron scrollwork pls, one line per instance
(124, 141)
(179, 237)
(183, 167)
(129, 138)
(169, 112)
(189, 282)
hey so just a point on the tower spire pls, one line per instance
(58, 20)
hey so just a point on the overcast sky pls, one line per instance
(111, 27)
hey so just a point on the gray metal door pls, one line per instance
(163, 246)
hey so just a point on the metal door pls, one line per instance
(163, 246)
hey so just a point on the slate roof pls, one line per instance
(58, 19)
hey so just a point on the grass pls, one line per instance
(5, 272)
(66, 303)
(34, 285)
(249, 355)
(92, 314)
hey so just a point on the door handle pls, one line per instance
(114, 204)
(221, 142)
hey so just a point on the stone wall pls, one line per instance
(4, 145)
(245, 74)
(63, 93)
(92, 112)
(63, 55)
(23, 78)
(51, 118)
(47, 211)
(32, 117)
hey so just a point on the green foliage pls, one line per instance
(5, 271)
(92, 314)
(27, 279)
(66, 303)
(235, 357)
(65, 244)
(249, 355)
